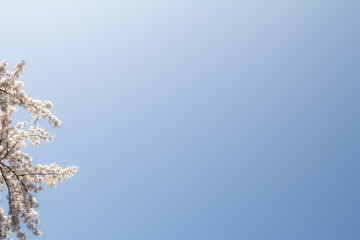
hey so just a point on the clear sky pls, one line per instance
(234, 120)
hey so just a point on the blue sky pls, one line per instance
(195, 119)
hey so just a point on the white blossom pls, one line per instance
(17, 174)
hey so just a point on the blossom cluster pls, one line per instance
(18, 175)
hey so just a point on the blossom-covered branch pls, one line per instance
(17, 173)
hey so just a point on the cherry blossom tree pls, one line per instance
(19, 178)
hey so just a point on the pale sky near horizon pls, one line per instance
(195, 119)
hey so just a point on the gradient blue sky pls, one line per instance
(195, 119)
